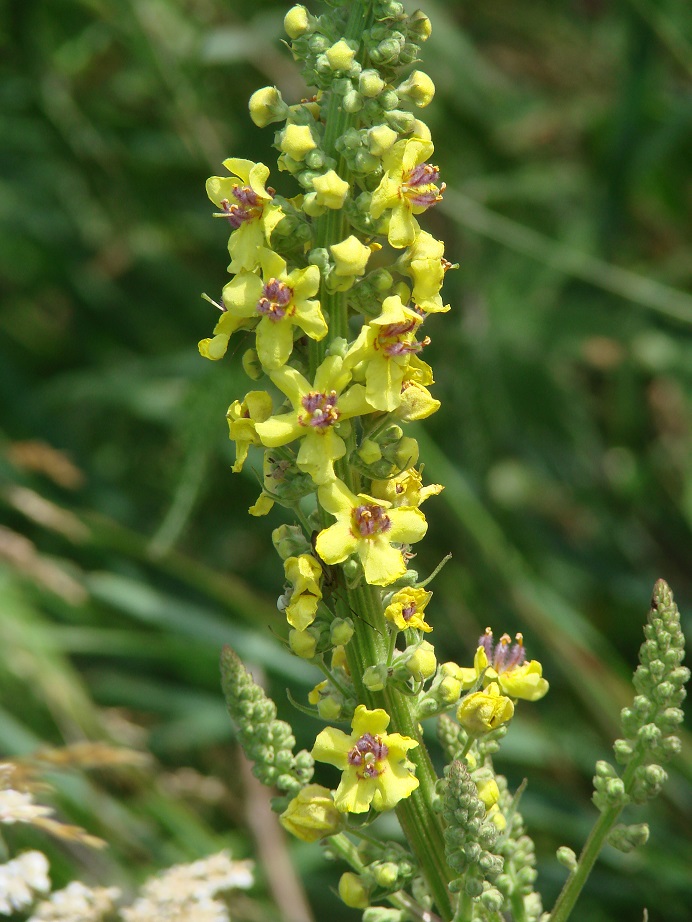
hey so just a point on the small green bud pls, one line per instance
(420, 26)
(341, 631)
(567, 858)
(384, 914)
(329, 707)
(289, 541)
(369, 451)
(492, 900)
(370, 83)
(422, 663)
(402, 122)
(375, 678)
(252, 365)
(386, 874)
(627, 838)
(388, 100)
(353, 102)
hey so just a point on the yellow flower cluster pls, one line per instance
(346, 253)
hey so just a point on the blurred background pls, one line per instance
(564, 132)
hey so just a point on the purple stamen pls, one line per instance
(321, 410)
(369, 752)
(504, 655)
(409, 611)
(370, 520)
(276, 297)
(420, 187)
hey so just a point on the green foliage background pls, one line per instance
(564, 132)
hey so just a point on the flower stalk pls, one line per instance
(336, 283)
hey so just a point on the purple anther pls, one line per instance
(321, 410)
(409, 611)
(370, 520)
(276, 296)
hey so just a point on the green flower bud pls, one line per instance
(369, 451)
(289, 541)
(386, 874)
(375, 678)
(567, 858)
(384, 914)
(402, 122)
(388, 100)
(329, 707)
(353, 892)
(341, 631)
(627, 838)
(353, 102)
(422, 664)
(370, 83)
(252, 365)
(420, 26)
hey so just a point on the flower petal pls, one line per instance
(332, 746)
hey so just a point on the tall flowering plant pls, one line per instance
(337, 282)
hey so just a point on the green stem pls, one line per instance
(332, 678)
(391, 648)
(592, 849)
(421, 824)
(464, 911)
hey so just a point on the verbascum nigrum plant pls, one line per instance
(338, 287)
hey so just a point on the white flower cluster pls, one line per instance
(21, 880)
(187, 892)
(78, 903)
(19, 807)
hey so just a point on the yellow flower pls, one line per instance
(406, 489)
(425, 264)
(407, 608)
(386, 345)
(304, 573)
(275, 303)
(373, 762)
(505, 663)
(407, 188)
(311, 815)
(483, 711)
(248, 205)
(242, 417)
(369, 528)
(317, 410)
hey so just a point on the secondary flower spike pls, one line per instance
(373, 762)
